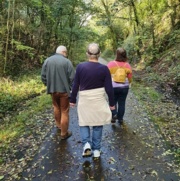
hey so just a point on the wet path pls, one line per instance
(133, 153)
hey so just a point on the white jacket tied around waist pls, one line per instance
(93, 108)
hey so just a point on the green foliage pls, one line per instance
(20, 94)
(131, 46)
(84, 36)
(146, 92)
(167, 69)
(21, 47)
(13, 126)
(152, 77)
(174, 74)
(13, 92)
(162, 112)
(144, 28)
(37, 28)
(42, 58)
(36, 3)
(108, 54)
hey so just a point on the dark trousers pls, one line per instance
(120, 95)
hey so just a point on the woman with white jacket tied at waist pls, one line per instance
(93, 81)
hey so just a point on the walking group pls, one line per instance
(100, 92)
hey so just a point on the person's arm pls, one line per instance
(75, 88)
(43, 73)
(129, 75)
(109, 88)
(71, 73)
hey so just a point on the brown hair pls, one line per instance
(121, 55)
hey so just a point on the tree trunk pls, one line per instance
(137, 25)
(7, 38)
(110, 26)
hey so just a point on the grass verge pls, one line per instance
(163, 112)
(19, 116)
(14, 91)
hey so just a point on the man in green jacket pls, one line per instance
(58, 74)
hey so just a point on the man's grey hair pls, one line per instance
(61, 49)
(93, 50)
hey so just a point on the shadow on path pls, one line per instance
(133, 153)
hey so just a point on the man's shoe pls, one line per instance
(87, 150)
(113, 120)
(66, 136)
(97, 154)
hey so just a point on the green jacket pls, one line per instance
(57, 74)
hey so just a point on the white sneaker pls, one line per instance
(87, 150)
(96, 154)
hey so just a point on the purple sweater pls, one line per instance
(92, 75)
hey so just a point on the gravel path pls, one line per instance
(133, 153)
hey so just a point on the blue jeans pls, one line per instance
(96, 136)
(120, 95)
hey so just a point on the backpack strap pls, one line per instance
(118, 65)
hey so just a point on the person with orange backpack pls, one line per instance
(121, 73)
